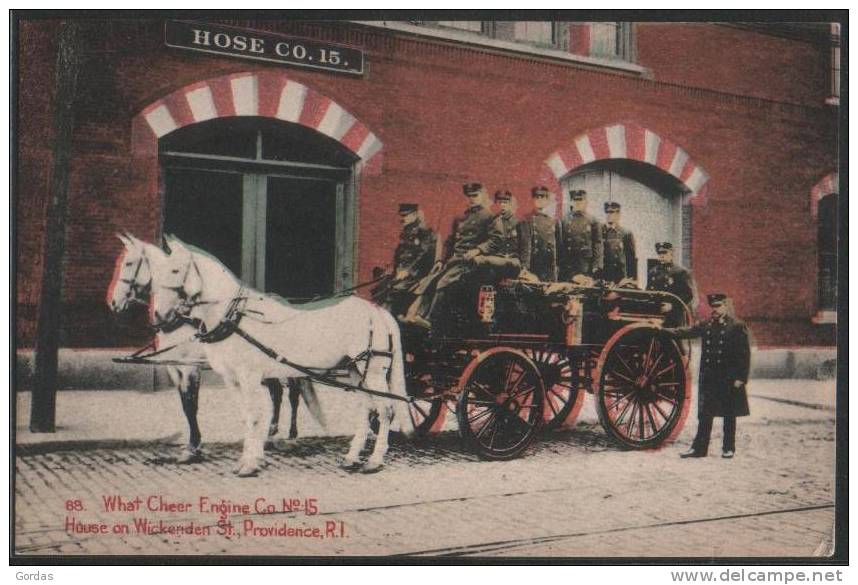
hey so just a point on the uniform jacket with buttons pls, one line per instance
(472, 230)
(505, 240)
(620, 258)
(673, 279)
(540, 239)
(582, 249)
(725, 358)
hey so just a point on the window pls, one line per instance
(538, 33)
(827, 253)
(602, 44)
(611, 40)
(272, 200)
(835, 63)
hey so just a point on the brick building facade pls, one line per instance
(734, 128)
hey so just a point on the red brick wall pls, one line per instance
(731, 60)
(449, 114)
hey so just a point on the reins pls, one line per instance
(230, 324)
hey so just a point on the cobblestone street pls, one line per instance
(574, 493)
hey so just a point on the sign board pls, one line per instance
(263, 46)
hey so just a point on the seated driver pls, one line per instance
(470, 236)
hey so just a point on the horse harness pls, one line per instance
(230, 325)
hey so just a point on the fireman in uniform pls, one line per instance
(668, 277)
(725, 362)
(581, 236)
(541, 238)
(412, 260)
(470, 236)
(620, 261)
(504, 257)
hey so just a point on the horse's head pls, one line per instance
(132, 275)
(176, 282)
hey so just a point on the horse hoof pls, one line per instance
(189, 456)
(248, 471)
(293, 434)
(372, 468)
(272, 430)
(349, 465)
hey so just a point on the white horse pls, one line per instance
(131, 284)
(340, 332)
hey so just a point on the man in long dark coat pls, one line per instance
(503, 259)
(620, 258)
(412, 260)
(725, 362)
(470, 236)
(581, 249)
(668, 277)
(540, 243)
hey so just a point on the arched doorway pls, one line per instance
(273, 200)
(653, 178)
(654, 205)
(247, 164)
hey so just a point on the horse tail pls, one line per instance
(396, 376)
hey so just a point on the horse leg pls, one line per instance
(295, 385)
(257, 407)
(376, 378)
(189, 392)
(352, 458)
(275, 390)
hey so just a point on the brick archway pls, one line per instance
(626, 141)
(826, 186)
(256, 93)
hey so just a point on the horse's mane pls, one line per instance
(199, 252)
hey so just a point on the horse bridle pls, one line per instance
(182, 312)
(138, 293)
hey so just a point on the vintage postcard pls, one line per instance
(541, 288)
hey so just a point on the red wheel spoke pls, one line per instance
(560, 396)
(523, 392)
(481, 415)
(660, 411)
(629, 369)
(651, 420)
(667, 369)
(648, 357)
(625, 396)
(552, 407)
(631, 424)
(667, 398)
(619, 375)
(489, 422)
(650, 370)
(625, 408)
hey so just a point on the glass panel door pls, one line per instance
(300, 237)
(203, 208)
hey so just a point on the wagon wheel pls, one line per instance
(500, 407)
(643, 387)
(563, 394)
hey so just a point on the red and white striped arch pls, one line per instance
(828, 185)
(258, 93)
(626, 141)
